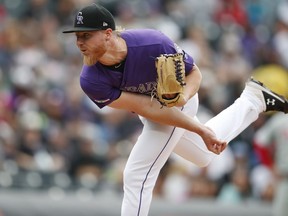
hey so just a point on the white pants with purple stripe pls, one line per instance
(157, 142)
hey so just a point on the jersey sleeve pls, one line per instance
(100, 93)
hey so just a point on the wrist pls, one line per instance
(200, 129)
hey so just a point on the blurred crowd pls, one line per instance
(52, 137)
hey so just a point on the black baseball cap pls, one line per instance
(91, 18)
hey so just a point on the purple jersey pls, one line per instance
(103, 85)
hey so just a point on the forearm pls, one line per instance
(153, 110)
(174, 117)
(171, 116)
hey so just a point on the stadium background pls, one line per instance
(59, 155)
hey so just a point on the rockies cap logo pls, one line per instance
(80, 18)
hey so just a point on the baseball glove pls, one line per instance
(171, 79)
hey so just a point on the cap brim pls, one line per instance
(80, 29)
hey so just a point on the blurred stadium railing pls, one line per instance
(83, 202)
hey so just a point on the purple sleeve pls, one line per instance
(102, 95)
(189, 62)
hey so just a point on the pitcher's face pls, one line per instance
(92, 44)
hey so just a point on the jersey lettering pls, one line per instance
(141, 88)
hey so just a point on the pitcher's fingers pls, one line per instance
(218, 148)
(223, 146)
(215, 149)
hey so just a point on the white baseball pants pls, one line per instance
(157, 142)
